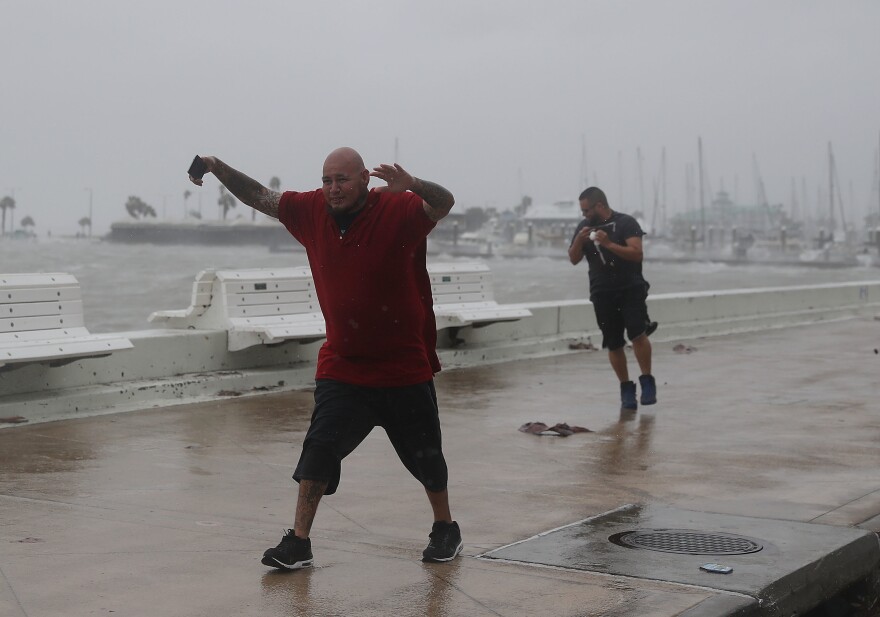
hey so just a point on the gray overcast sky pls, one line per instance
(493, 99)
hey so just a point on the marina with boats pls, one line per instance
(707, 227)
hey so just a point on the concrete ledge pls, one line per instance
(724, 606)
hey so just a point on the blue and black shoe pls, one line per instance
(649, 389)
(628, 396)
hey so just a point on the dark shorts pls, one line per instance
(621, 310)
(345, 414)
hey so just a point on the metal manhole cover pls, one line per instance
(687, 542)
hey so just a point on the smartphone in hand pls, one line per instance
(198, 168)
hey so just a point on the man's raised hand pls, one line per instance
(397, 178)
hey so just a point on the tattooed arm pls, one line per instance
(246, 189)
(436, 200)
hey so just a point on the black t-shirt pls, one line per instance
(343, 219)
(614, 272)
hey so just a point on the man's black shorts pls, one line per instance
(618, 310)
(345, 414)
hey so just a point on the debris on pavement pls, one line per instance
(557, 430)
(13, 420)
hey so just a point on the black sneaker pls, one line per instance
(445, 542)
(651, 327)
(291, 553)
(628, 396)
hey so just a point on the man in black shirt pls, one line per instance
(611, 242)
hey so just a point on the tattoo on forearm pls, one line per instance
(438, 199)
(248, 190)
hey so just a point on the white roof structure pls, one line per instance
(566, 211)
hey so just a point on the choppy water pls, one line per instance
(123, 283)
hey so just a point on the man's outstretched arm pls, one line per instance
(436, 200)
(246, 189)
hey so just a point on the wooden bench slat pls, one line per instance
(42, 335)
(439, 278)
(45, 322)
(39, 309)
(40, 279)
(265, 286)
(274, 297)
(63, 348)
(279, 320)
(258, 310)
(260, 274)
(34, 294)
(480, 287)
(457, 298)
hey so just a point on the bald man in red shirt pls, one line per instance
(367, 251)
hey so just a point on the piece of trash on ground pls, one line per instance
(682, 348)
(560, 429)
(13, 420)
(581, 345)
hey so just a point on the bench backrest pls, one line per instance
(38, 303)
(248, 294)
(457, 283)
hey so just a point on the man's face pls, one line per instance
(589, 212)
(344, 185)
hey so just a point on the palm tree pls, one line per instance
(137, 209)
(83, 223)
(186, 195)
(226, 201)
(7, 203)
(26, 223)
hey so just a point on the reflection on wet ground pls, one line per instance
(626, 444)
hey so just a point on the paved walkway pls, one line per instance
(772, 436)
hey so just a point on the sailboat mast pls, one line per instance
(663, 168)
(831, 188)
(585, 178)
(641, 180)
(700, 171)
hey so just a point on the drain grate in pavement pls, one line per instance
(687, 542)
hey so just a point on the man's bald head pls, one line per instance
(347, 158)
(345, 180)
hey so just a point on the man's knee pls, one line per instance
(318, 462)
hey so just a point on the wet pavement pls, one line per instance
(772, 436)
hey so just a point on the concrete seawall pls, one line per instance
(168, 367)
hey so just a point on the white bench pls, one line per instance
(463, 296)
(41, 320)
(261, 306)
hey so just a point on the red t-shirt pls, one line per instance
(372, 285)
